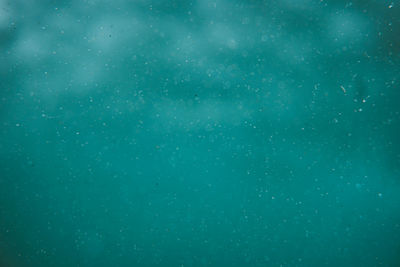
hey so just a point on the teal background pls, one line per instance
(199, 133)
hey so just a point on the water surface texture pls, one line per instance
(199, 133)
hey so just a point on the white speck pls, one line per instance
(232, 44)
(17, 124)
(379, 194)
(391, 5)
(264, 38)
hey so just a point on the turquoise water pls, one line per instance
(199, 133)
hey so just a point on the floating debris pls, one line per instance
(343, 89)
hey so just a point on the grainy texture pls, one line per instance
(199, 133)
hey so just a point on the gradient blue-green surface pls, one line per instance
(199, 133)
